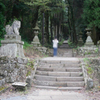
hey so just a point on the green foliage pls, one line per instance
(89, 70)
(61, 42)
(26, 45)
(30, 66)
(86, 60)
(97, 50)
(71, 44)
(31, 63)
(2, 19)
(0, 41)
(91, 12)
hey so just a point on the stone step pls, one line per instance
(60, 65)
(59, 69)
(58, 60)
(60, 74)
(59, 84)
(64, 55)
(52, 78)
(58, 88)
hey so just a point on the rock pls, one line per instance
(29, 81)
(89, 83)
(19, 85)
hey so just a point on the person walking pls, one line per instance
(55, 46)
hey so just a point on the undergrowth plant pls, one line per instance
(30, 66)
(0, 41)
(26, 45)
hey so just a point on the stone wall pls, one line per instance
(91, 70)
(13, 69)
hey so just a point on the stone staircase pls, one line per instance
(59, 73)
(65, 45)
(64, 52)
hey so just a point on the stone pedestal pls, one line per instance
(36, 42)
(12, 46)
(89, 48)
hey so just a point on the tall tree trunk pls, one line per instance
(51, 27)
(47, 26)
(43, 29)
(72, 21)
(58, 31)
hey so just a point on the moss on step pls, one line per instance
(2, 88)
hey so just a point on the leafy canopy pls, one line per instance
(91, 12)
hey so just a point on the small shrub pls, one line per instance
(26, 45)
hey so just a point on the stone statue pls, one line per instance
(14, 29)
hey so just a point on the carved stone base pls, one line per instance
(80, 42)
(36, 44)
(12, 46)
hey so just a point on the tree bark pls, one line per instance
(47, 26)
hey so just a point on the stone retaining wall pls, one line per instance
(91, 70)
(13, 69)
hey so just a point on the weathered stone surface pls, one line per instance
(2, 81)
(70, 78)
(60, 74)
(14, 28)
(75, 84)
(45, 78)
(76, 74)
(13, 69)
(19, 85)
(74, 69)
(41, 73)
(29, 81)
(48, 83)
(9, 50)
(12, 46)
(55, 72)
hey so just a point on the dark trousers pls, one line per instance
(54, 51)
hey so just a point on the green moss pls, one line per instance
(89, 70)
(2, 88)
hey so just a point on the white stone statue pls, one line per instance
(14, 29)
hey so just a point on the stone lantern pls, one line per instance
(36, 42)
(80, 41)
(89, 39)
